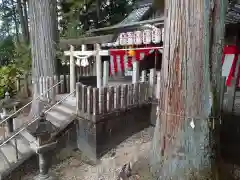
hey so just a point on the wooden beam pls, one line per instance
(87, 53)
(64, 43)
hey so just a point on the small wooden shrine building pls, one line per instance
(127, 49)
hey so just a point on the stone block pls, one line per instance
(94, 139)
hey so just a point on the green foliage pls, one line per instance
(78, 16)
(8, 78)
(22, 57)
(6, 50)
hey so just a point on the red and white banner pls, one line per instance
(229, 60)
(120, 60)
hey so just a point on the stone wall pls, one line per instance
(96, 138)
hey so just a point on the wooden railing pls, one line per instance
(92, 102)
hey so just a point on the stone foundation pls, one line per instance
(95, 139)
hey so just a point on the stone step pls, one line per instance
(30, 138)
(63, 111)
(66, 109)
(4, 164)
(54, 120)
(22, 145)
(10, 152)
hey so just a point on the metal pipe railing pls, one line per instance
(30, 102)
(28, 124)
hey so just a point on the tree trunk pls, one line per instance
(15, 20)
(23, 20)
(42, 15)
(181, 144)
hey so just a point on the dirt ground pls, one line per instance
(134, 149)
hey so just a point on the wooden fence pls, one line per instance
(92, 102)
(44, 84)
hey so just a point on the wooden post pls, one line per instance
(105, 73)
(157, 94)
(110, 99)
(78, 98)
(152, 76)
(98, 66)
(72, 70)
(135, 76)
(143, 76)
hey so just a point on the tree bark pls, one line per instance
(181, 144)
(15, 20)
(42, 15)
(22, 11)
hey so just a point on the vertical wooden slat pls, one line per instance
(40, 81)
(55, 78)
(62, 84)
(89, 101)
(117, 97)
(95, 101)
(44, 86)
(84, 98)
(110, 99)
(68, 84)
(103, 100)
(136, 93)
(78, 98)
(124, 89)
(130, 95)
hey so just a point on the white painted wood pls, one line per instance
(152, 82)
(72, 70)
(105, 73)
(87, 53)
(144, 76)
(158, 86)
(135, 76)
(227, 64)
(98, 66)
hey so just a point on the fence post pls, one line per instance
(117, 97)
(84, 99)
(135, 76)
(144, 76)
(89, 101)
(72, 70)
(124, 89)
(62, 84)
(157, 91)
(136, 93)
(98, 66)
(110, 99)
(53, 92)
(78, 98)
(103, 100)
(152, 79)
(105, 73)
(67, 83)
(55, 78)
(95, 103)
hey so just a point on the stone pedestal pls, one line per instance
(43, 168)
(10, 125)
